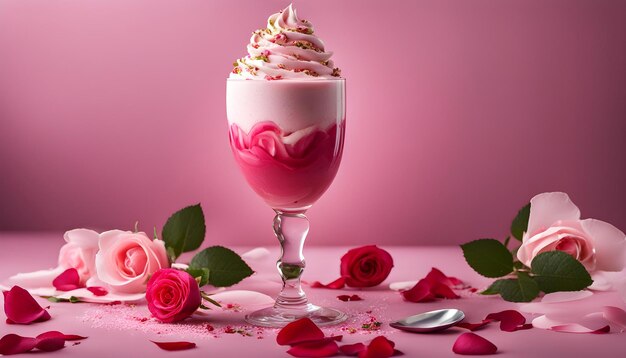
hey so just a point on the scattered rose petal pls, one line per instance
(436, 276)
(98, 291)
(402, 285)
(615, 315)
(318, 348)
(21, 308)
(443, 291)
(473, 344)
(57, 334)
(419, 293)
(68, 280)
(379, 347)
(335, 285)
(50, 344)
(510, 320)
(352, 349)
(474, 326)
(175, 346)
(577, 328)
(36, 280)
(346, 298)
(14, 344)
(299, 331)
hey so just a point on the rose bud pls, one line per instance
(172, 295)
(366, 266)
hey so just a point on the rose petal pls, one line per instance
(21, 308)
(473, 344)
(68, 280)
(443, 291)
(615, 315)
(175, 346)
(57, 334)
(98, 291)
(419, 293)
(14, 344)
(321, 348)
(335, 285)
(346, 298)
(436, 276)
(548, 208)
(474, 326)
(302, 330)
(50, 344)
(379, 347)
(510, 320)
(352, 349)
(577, 328)
(609, 244)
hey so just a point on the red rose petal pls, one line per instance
(335, 285)
(175, 346)
(299, 331)
(379, 347)
(50, 344)
(443, 291)
(14, 344)
(352, 349)
(21, 308)
(319, 348)
(68, 280)
(98, 291)
(510, 320)
(346, 298)
(419, 293)
(473, 344)
(474, 326)
(57, 334)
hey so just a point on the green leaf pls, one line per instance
(226, 267)
(557, 271)
(202, 273)
(493, 289)
(184, 231)
(72, 299)
(520, 289)
(520, 223)
(488, 257)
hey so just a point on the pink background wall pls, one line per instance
(458, 112)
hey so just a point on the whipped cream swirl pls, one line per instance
(286, 49)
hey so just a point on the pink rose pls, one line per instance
(366, 266)
(80, 253)
(555, 224)
(126, 260)
(172, 295)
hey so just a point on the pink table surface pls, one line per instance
(31, 251)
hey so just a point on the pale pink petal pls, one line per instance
(36, 279)
(609, 244)
(548, 208)
(402, 285)
(544, 322)
(84, 238)
(615, 315)
(245, 299)
(577, 328)
(565, 296)
(180, 266)
(601, 281)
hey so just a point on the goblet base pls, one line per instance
(279, 317)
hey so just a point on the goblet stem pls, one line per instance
(291, 230)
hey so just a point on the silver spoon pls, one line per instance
(430, 321)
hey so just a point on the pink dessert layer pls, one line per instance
(290, 175)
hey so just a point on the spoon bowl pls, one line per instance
(430, 321)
